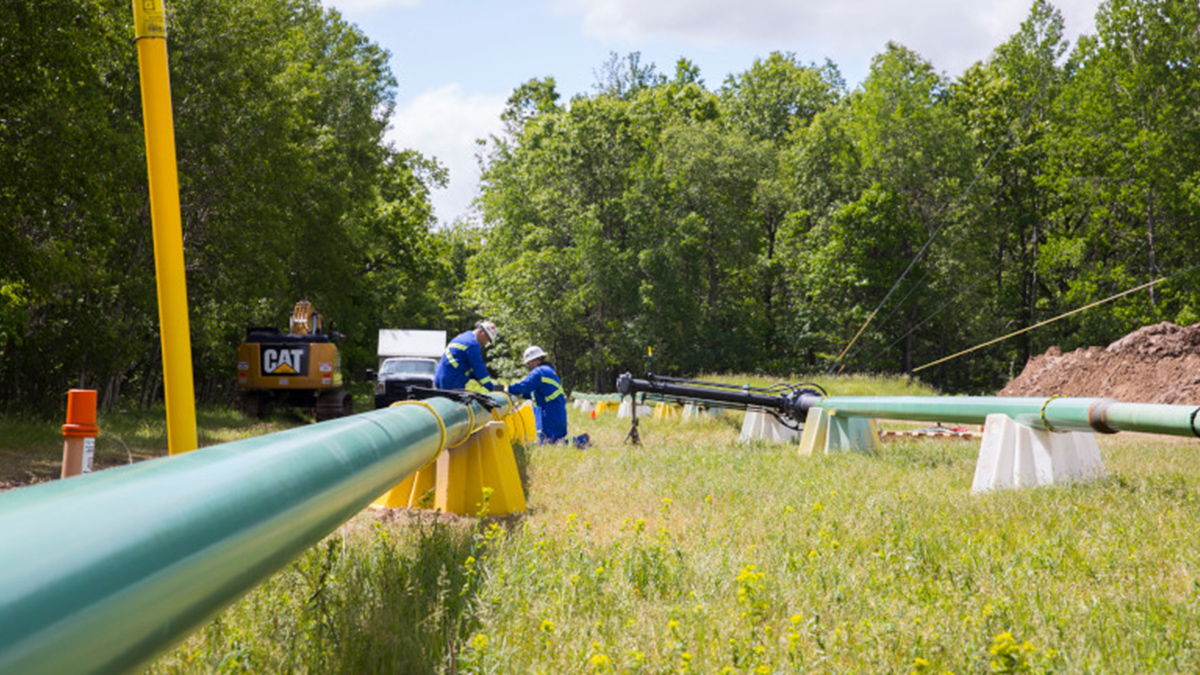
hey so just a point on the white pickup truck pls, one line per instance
(407, 359)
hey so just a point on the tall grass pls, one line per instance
(31, 448)
(837, 385)
(697, 554)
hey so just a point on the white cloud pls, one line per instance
(952, 34)
(445, 123)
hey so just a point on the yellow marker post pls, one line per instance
(150, 28)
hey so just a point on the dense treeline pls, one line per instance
(763, 225)
(287, 188)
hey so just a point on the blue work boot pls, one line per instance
(582, 442)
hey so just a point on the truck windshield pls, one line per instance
(408, 367)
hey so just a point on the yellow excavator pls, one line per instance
(300, 368)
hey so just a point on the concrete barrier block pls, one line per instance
(759, 425)
(1013, 455)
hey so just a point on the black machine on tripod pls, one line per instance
(788, 403)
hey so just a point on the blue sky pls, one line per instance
(458, 60)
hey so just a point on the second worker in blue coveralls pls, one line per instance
(543, 385)
(463, 359)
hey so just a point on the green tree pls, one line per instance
(700, 248)
(558, 267)
(1007, 104)
(900, 160)
(287, 190)
(774, 98)
(71, 289)
(1126, 168)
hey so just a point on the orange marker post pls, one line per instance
(80, 431)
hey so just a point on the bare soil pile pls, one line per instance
(1154, 364)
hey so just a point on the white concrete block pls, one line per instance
(625, 409)
(1013, 455)
(760, 425)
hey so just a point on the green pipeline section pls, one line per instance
(100, 573)
(1099, 415)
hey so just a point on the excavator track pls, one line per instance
(334, 404)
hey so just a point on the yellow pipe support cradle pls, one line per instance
(522, 427)
(424, 487)
(406, 491)
(151, 33)
(511, 421)
(450, 488)
(528, 424)
(399, 496)
(478, 476)
(500, 471)
(666, 411)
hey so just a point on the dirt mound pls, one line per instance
(1154, 364)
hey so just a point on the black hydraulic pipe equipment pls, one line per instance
(793, 403)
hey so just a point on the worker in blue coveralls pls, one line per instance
(546, 390)
(463, 359)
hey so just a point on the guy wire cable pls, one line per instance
(922, 322)
(900, 304)
(1057, 318)
(979, 174)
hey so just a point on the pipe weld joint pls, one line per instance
(1097, 416)
(1045, 423)
(1192, 423)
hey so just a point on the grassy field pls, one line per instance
(31, 449)
(697, 554)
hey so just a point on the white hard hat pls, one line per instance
(489, 328)
(534, 352)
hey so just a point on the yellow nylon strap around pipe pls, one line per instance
(151, 31)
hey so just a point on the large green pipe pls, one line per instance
(101, 572)
(1055, 413)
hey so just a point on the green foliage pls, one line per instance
(1123, 165)
(781, 223)
(287, 192)
(377, 600)
(776, 223)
